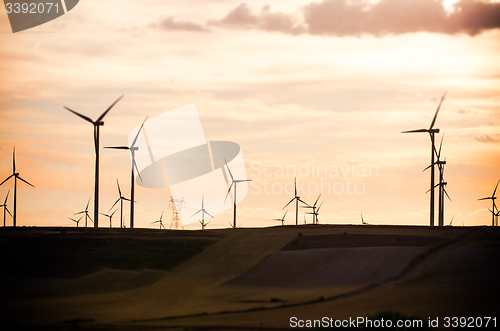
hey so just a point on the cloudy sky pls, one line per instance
(310, 84)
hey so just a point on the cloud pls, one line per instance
(170, 24)
(243, 17)
(357, 17)
(486, 139)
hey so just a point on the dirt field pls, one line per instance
(251, 278)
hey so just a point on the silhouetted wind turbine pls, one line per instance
(315, 214)
(120, 199)
(97, 124)
(234, 182)
(282, 220)
(86, 212)
(76, 221)
(5, 209)
(492, 198)
(203, 212)
(313, 209)
(297, 199)
(431, 132)
(110, 217)
(160, 220)
(132, 148)
(362, 219)
(16, 177)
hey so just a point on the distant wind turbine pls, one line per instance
(120, 199)
(16, 177)
(362, 219)
(492, 198)
(132, 148)
(234, 182)
(313, 207)
(203, 212)
(315, 214)
(76, 221)
(160, 220)
(5, 209)
(297, 199)
(282, 220)
(110, 217)
(431, 132)
(86, 213)
(97, 124)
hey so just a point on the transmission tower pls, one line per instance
(176, 205)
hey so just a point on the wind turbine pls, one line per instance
(132, 148)
(234, 182)
(315, 214)
(442, 184)
(160, 220)
(313, 209)
(86, 212)
(431, 132)
(362, 220)
(97, 124)
(16, 177)
(120, 199)
(492, 198)
(76, 221)
(203, 212)
(282, 220)
(110, 217)
(5, 209)
(297, 199)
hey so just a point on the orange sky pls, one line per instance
(320, 83)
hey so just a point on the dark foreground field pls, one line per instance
(243, 279)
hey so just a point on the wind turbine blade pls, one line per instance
(14, 160)
(155, 222)
(161, 217)
(24, 181)
(107, 110)
(80, 115)
(114, 212)
(230, 174)
(495, 191)
(427, 168)
(285, 214)
(295, 186)
(137, 135)
(104, 214)
(119, 191)
(447, 194)
(196, 213)
(288, 203)
(452, 219)
(126, 199)
(117, 147)
(488, 198)
(437, 111)
(134, 164)
(302, 201)
(208, 214)
(114, 204)
(315, 202)
(87, 205)
(317, 211)
(413, 131)
(228, 192)
(6, 179)
(440, 146)
(82, 212)
(6, 209)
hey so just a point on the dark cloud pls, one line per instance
(486, 139)
(357, 17)
(243, 17)
(170, 24)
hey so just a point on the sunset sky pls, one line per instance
(304, 83)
